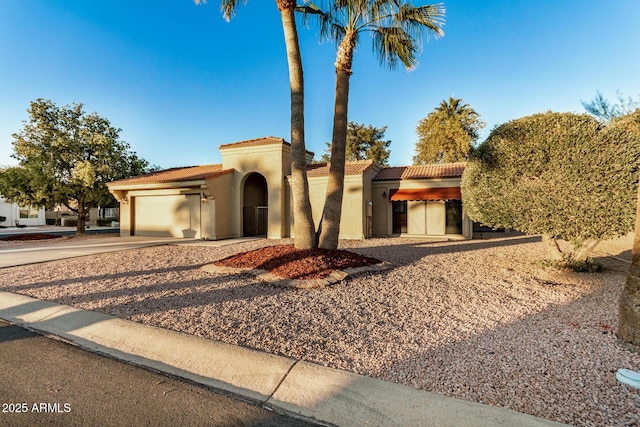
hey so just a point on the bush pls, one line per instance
(562, 175)
(106, 222)
(588, 265)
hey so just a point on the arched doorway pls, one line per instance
(254, 206)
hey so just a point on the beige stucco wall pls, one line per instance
(125, 218)
(416, 217)
(436, 217)
(273, 162)
(223, 217)
(352, 219)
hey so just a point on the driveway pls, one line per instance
(35, 253)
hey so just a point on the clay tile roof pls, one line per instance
(189, 173)
(350, 168)
(258, 141)
(445, 170)
(267, 140)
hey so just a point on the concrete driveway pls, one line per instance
(49, 251)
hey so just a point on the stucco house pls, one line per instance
(25, 215)
(249, 193)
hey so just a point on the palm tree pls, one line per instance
(397, 28)
(448, 133)
(304, 228)
(470, 120)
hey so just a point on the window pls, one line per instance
(29, 212)
(454, 217)
(399, 216)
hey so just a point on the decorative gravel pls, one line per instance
(478, 320)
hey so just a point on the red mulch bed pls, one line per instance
(287, 261)
(29, 236)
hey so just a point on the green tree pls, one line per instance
(397, 28)
(304, 228)
(561, 175)
(67, 157)
(602, 109)
(364, 142)
(447, 134)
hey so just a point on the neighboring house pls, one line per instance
(25, 215)
(249, 194)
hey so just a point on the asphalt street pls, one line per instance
(44, 381)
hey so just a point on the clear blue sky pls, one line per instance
(180, 81)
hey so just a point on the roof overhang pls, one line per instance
(156, 185)
(445, 193)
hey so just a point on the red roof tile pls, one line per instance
(267, 140)
(350, 168)
(175, 175)
(446, 170)
(253, 142)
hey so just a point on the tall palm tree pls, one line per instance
(304, 228)
(397, 28)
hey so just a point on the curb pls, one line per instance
(300, 389)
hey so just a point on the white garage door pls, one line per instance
(168, 216)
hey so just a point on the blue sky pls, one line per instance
(180, 81)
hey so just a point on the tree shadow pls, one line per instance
(101, 277)
(409, 251)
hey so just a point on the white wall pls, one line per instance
(12, 212)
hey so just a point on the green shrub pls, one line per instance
(562, 175)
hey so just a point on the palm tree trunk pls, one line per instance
(330, 224)
(304, 228)
(629, 308)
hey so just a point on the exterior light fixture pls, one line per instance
(384, 194)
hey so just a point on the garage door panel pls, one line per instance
(168, 216)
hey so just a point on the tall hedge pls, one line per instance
(560, 175)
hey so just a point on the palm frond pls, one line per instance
(228, 7)
(422, 20)
(329, 26)
(393, 44)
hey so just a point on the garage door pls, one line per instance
(168, 216)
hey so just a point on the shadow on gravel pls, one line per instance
(134, 275)
(139, 304)
(409, 251)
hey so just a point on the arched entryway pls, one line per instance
(254, 206)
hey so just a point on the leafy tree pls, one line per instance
(67, 157)
(363, 143)
(562, 175)
(397, 28)
(304, 227)
(602, 109)
(447, 134)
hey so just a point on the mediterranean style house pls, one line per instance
(249, 193)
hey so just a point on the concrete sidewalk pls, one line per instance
(298, 388)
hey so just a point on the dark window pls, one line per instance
(399, 216)
(454, 217)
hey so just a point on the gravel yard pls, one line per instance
(478, 320)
